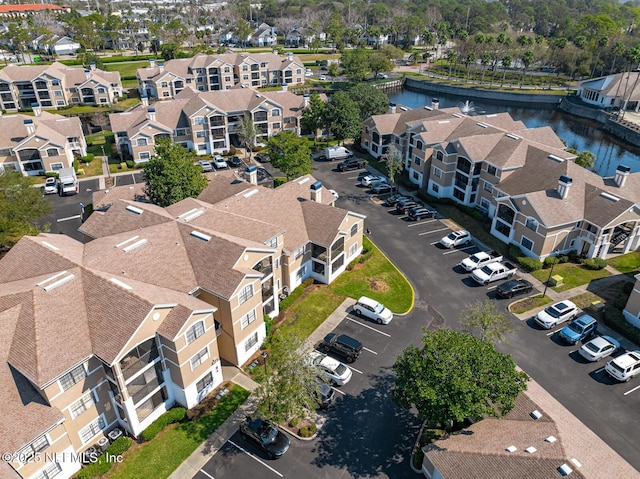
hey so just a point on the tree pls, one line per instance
(342, 117)
(379, 62)
(369, 99)
(21, 208)
(247, 134)
(356, 63)
(172, 175)
(393, 158)
(584, 158)
(527, 59)
(312, 116)
(289, 153)
(242, 31)
(481, 319)
(506, 63)
(454, 376)
(290, 387)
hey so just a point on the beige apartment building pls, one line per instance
(218, 72)
(99, 339)
(632, 309)
(206, 122)
(57, 85)
(36, 144)
(522, 178)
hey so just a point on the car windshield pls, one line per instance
(592, 347)
(486, 270)
(378, 308)
(268, 433)
(340, 369)
(474, 259)
(576, 328)
(452, 236)
(552, 311)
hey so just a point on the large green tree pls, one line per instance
(369, 99)
(393, 159)
(356, 63)
(312, 116)
(290, 153)
(21, 208)
(172, 175)
(247, 134)
(483, 320)
(455, 375)
(342, 116)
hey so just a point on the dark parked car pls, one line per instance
(263, 158)
(405, 206)
(343, 345)
(351, 164)
(265, 435)
(382, 187)
(421, 213)
(393, 199)
(234, 162)
(514, 287)
(324, 394)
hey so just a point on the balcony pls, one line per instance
(139, 358)
(138, 392)
(319, 253)
(265, 267)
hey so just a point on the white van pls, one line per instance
(370, 308)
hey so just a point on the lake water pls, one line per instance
(578, 133)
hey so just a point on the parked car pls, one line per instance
(382, 187)
(262, 158)
(456, 238)
(421, 213)
(265, 435)
(624, 367)
(351, 164)
(579, 329)
(219, 163)
(369, 179)
(324, 394)
(598, 348)
(370, 308)
(50, 186)
(335, 194)
(206, 166)
(382, 76)
(331, 369)
(322, 78)
(393, 199)
(557, 313)
(235, 162)
(403, 206)
(344, 345)
(514, 287)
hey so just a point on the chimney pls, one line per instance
(87, 73)
(28, 123)
(92, 66)
(285, 86)
(152, 62)
(145, 100)
(306, 99)
(392, 108)
(36, 109)
(252, 173)
(161, 67)
(151, 114)
(621, 175)
(435, 103)
(564, 184)
(316, 192)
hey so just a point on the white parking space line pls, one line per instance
(338, 391)
(68, 218)
(351, 177)
(434, 231)
(492, 288)
(461, 250)
(133, 177)
(422, 223)
(551, 333)
(372, 352)
(207, 474)
(631, 390)
(367, 326)
(256, 458)
(599, 370)
(356, 370)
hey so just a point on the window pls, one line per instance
(487, 187)
(165, 94)
(52, 470)
(275, 112)
(36, 446)
(353, 249)
(60, 102)
(301, 272)
(164, 84)
(144, 156)
(491, 170)
(93, 429)
(437, 172)
(57, 93)
(503, 228)
(201, 134)
(276, 126)
(198, 120)
(251, 342)
(526, 243)
(416, 160)
(81, 405)
(199, 358)
(245, 294)
(73, 377)
(52, 152)
(194, 332)
(439, 156)
(299, 252)
(435, 188)
(204, 382)
(484, 203)
(532, 224)
(56, 166)
(141, 142)
(101, 90)
(419, 145)
(354, 229)
(103, 100)
(248, 318)
(272, 243)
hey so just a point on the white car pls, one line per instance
(50, 186)
(624, 367)
(370, 308)
(598, 348)
(335, 194)
(369, 180)
(557, 313)
(456, 238)
(219, 162)
(308, 73)
(322, 78)
(331, 369)
(206, 166)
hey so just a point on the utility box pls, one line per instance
(556, 280)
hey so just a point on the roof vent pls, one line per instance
(482, 125)
(556, 158)
(59, 282)
(565, 470)
(193, 215)
(609, 197)
(135, 245)
(550, 439)
(134, 209)
(304, 180)
(187, 213)
(576, 462)
(493, 115)
(126, 241)
(49, 245)
(45, 281)
(249, 194)
(457, 115)
(199, 235)
(512, 449)
(530, 450)
(120, 283)
(536, 414)
(443, 121)
(512, 136)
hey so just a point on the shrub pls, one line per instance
(615, 320)
(268, 324)
(119, 446)
(97, 469)
(294, 422)
(307, 431)
(130, 164)
(88, 158)
(288, 301)
(550, 261)
(573, 256)
(529, 264)
(51, 174)
(594, 263)
(514, 251)
(174, 415)
(75, 164)
(563, 259)
(308, 282)
(620, 302)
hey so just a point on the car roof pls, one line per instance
(601, 341)
(330, 363)
(367, 301)
(563, 305)
(585, 319)
(343, 338)
(627, 359)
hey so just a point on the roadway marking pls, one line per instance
(338, 391)
(631, 390)
(372, 352)
(256, 458)
(422, 223)
(133, 177)
(599, 370)
(69, 218)
(492, 288)
(354, 369)
(367, 326)
(434, 231)
(206, 474)
(459, 250)
(553, 332)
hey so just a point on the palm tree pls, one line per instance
(618, 50)
(506, 63)
(484, 61)
(527, 59)
(451, 58)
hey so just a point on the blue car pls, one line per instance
(582, 328)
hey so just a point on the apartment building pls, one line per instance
(44, 142)
(205, 122)
(632, 309)
(56, 85)
(523, 179)
(218, 72)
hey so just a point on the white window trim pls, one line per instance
(246, 317)
(200, 358)
(528, 239)
(241, 293)
(192, 327)
(69, 372)
(94, 399)
(96, 421)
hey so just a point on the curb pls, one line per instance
(415, 446)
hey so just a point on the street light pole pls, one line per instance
(106, 161)
(546, 285)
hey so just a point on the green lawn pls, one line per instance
(573, 274)
(528, 304)
(127, 70)
(158, 458)
(628, 264)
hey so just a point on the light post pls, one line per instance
(106, 161)
(546, 285)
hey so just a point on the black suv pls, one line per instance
(351, 164)
(343, 345)
(265, 435)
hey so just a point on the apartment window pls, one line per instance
(301, 272)
(245, 294)
(198, 120)
(103, 100)
(57, 93)
(101, 90)
(73, 377)
(81, 405)
(485, 203)
(144, 156)
(435, 188)
(205, 382)
(52, 152)
(194, 332)
(416, 160)
(416, 175)
(532, 224)
(275, 112)
(165, 94)
(277, 263)
(439, 156)
(353, 249)
(276, 126)
(92, 430)
(201, 134)
(141, 142)
(272, 243)
(526, 243)
(60, 102)
(251, 342)
(354, 229)
(437, 172)
(52, 470)
(491, 170)
(248, 318)
(199, 358)
(299, 252)
(487, 187)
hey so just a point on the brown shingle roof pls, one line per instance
(118, 219)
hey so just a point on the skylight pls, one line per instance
(556, 158)
(134, 209)
(199, 235)
(609, 197)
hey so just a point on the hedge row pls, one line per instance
(173, 415)
(102, 466)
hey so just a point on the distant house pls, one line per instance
(264, 36)
(621, 90)
(56, 45)
(25, 10)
